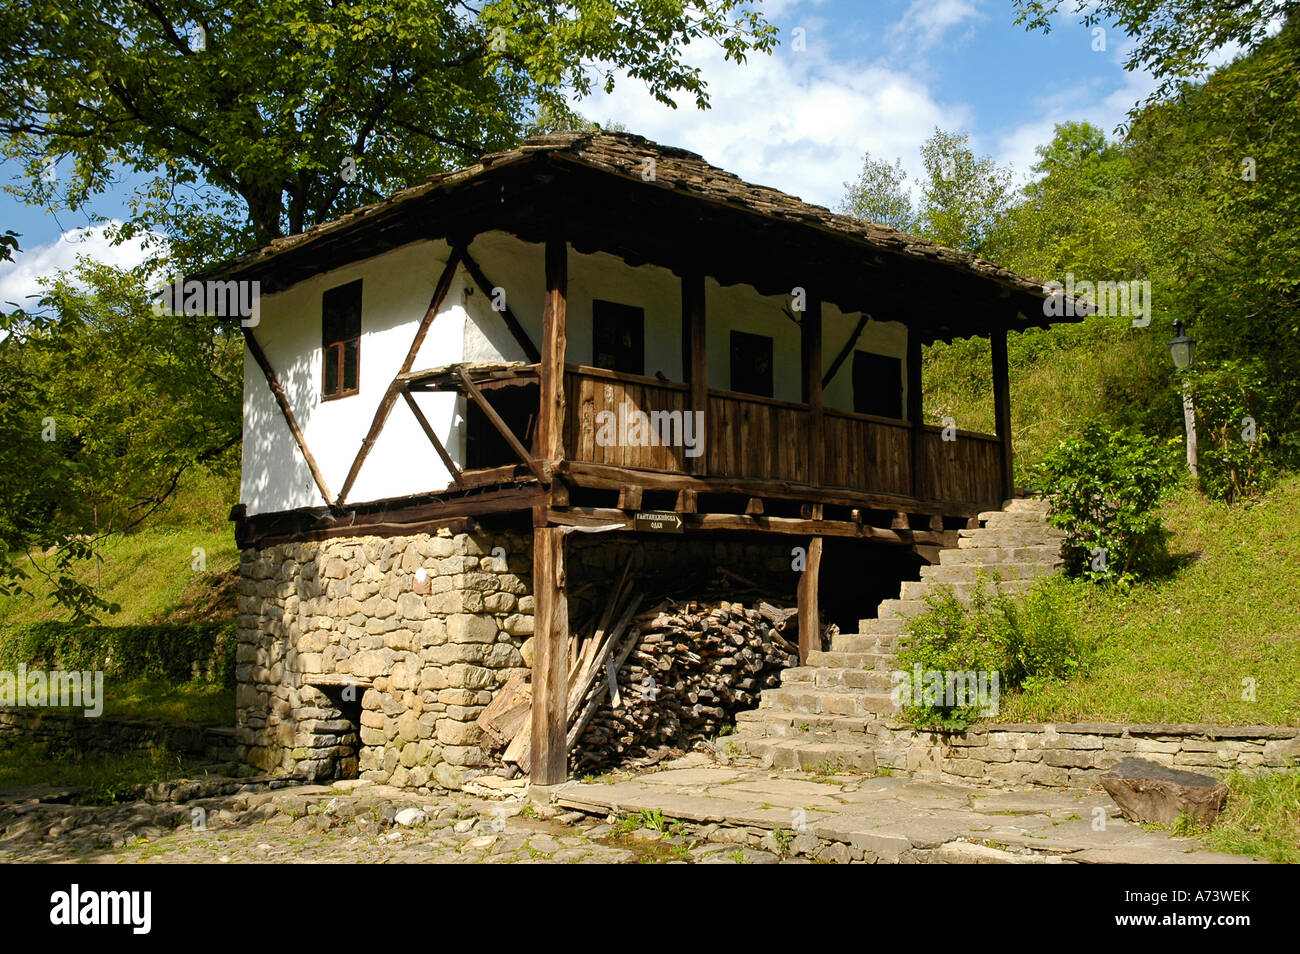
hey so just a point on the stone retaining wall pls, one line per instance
(75, 732)
(1076, 755)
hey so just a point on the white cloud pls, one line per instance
(926, 23)
(20, 280)
(1101, 103)
(796, 121)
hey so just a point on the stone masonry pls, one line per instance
(372, 657)
(353, 661)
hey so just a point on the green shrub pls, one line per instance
(1231, 436)
(176, 652)
(1025, 641)
(1104, 486)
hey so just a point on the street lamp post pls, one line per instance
(1182, 349)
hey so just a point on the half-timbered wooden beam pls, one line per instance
(607, 517)
(498, 422)
(390, 396)
(456, 475)
(696, 368)
(1002, 409)
(286, 411)
(548, 750)
(516, 329)
(810, 620)
(846, 350)
(550, 423)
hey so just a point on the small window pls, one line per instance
(877, 384)
(618, 337)
(341, 340)
(751, 364)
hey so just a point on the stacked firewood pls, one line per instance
(687, 668)
(645, 686)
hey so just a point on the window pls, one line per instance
(618, 337)
(341, 340)
(751, 364)
(877, 384)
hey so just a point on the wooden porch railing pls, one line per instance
(760, 438)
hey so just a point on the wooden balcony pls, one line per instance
(758, 440)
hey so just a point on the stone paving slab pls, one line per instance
(896, 820)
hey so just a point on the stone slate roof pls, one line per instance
(625, 155)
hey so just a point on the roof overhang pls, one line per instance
(685, 215)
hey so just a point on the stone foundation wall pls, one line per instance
(351, 662)
(1076, 755)
(412, 657)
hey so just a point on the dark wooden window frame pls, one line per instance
(739, 338)
(603, 310)
(878, 357)
(336, 340)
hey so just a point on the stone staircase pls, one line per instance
(836, 712)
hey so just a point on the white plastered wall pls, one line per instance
(397, 287)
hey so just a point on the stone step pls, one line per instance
(874, 731)
(865, 643)
(877, 626)
(847, 660)
(1027, 505)
(835, 677)
(1023, 537)
(893, 609)
(813, 701)
(975, 556)
(1010, 520)
(966, 572)
(808, 756)
(919, 589)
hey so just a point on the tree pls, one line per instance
(963, 197)
(257, 118)
(1175, 38)
(104, 406)
(880, 195)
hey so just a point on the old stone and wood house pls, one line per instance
(461, 401)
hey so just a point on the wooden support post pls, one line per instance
(915, 412)
(548, 752)
(550, 423)
(629, 498)
(754, 507)
(810, 621)
(1002, 409)
(687, 501)
(811, 328)
(696, 357)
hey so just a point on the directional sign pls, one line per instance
(658, 521)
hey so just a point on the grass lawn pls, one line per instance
(150, 575)
(1186, 647)
(1262, 818)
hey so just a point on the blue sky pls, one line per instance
(863, 75)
